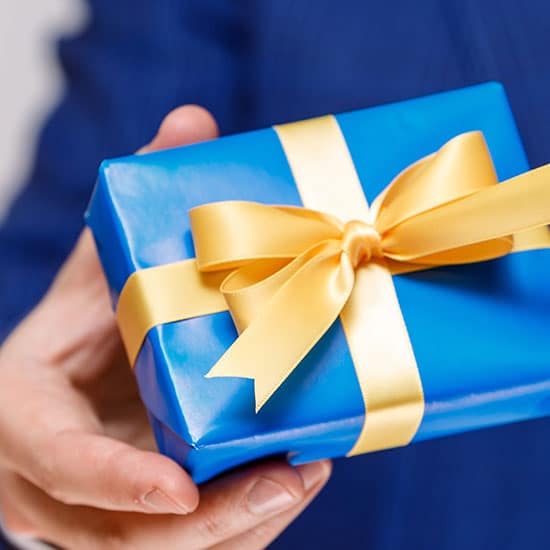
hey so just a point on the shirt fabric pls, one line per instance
(254, 63)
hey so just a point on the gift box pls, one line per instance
(478, 352)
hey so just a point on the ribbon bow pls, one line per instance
(292, 270)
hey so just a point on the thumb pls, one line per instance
(183, 126)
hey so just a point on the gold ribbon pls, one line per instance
(287, 273)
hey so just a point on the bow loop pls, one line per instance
(230, 234)
(461, 167)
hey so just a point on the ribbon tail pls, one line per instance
(294, 320)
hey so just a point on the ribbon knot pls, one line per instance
(361, 242)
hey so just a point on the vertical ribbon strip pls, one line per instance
(372, 321)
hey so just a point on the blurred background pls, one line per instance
(30, 82)
(255, 63)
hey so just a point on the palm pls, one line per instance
(104, 383)
(114, 396)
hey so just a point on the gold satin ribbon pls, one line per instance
(286, 273)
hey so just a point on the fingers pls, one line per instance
(264, 533)
(235, 512)
(55, 442)
(183, 126)
(239, 503)
(92, 470)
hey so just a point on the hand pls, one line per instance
(77, 461)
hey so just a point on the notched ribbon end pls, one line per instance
(261, 394)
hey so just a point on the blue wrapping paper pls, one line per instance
(479, 332)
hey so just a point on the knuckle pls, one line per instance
(113, 540)
(263, 532)
(213, 527)
(110, 536)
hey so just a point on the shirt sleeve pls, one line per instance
(134, 61)
(23, 543)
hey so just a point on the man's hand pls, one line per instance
(77, 461)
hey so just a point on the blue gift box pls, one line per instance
(479, 332)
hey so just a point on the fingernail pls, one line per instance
(313, 473)
(163, 504)
(268, 497)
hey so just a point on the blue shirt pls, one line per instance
(254, 63)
